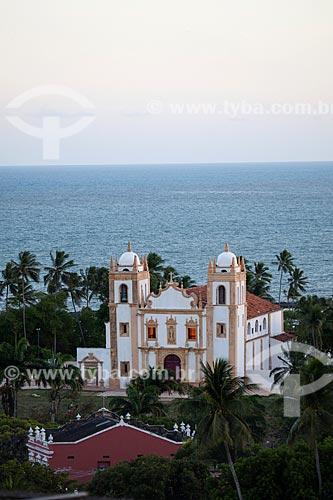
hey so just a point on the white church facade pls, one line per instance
(179, 328)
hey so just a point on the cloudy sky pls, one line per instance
(169, 81)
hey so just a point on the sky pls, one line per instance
(177, 81)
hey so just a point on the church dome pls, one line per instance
(127, 258)
(225, 258)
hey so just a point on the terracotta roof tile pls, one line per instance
(284, 337)
(256, 306)
(197, 290)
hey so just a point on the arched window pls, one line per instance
(256, 326)
(221, 295)
(264, 324)
(123, 293)
(248, 328)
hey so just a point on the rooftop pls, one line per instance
(256, 306)
(105, 419)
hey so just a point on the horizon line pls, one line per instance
(275, 162)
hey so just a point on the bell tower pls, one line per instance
(226, 310)
(129, 287)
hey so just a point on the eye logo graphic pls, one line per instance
(51, 131)
(292, 389)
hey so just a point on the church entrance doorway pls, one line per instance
(172, 363)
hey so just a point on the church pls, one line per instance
(179, 328)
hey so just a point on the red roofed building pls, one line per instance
(83, 446)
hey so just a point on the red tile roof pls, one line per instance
(284, 337)
(197, 290)
(256, 306)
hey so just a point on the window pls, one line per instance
(124, 368)
(124, 329)
(248, 328)
(151, 328)
(151, 332)
(221, 330)
(102, 465)
(256, 326)
(70, 457)
(264, 324)
(191, 333)
(221, 295)
(191, 329)
(260, 328)
(123, 293)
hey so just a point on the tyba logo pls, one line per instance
(51, 131)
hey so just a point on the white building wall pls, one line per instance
(240, 340)
(276, 324)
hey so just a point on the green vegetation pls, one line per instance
(243, 446)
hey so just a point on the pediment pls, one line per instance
(172, 297)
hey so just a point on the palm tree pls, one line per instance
(58, 272)
(292, 362)
(63, 380)
(159, 379)
(73, 287)
(225, 404)
(138, 402)
(169, 272)
(297, 283)
(156, 268)
(312, 317)
(8, 282)
(186, 281)
(258, 280)
(88, 285)
(316, 412)
(26, 269)
(18, 358)
(285, 265)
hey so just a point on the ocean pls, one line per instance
(183, 212)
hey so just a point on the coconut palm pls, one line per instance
(316, 412)
(186, 281)
(292, 363)
(88, 284)
(26, 269)
(161, 379)
(138, 402)
(297, 283)
(63, 380)
(285, 265)
(8, 282)
(58, 272)
(73, 287)
(258, 280)
(156, 268)
(169, 272)
(224, 420)
(15, 361)
(312, 316)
